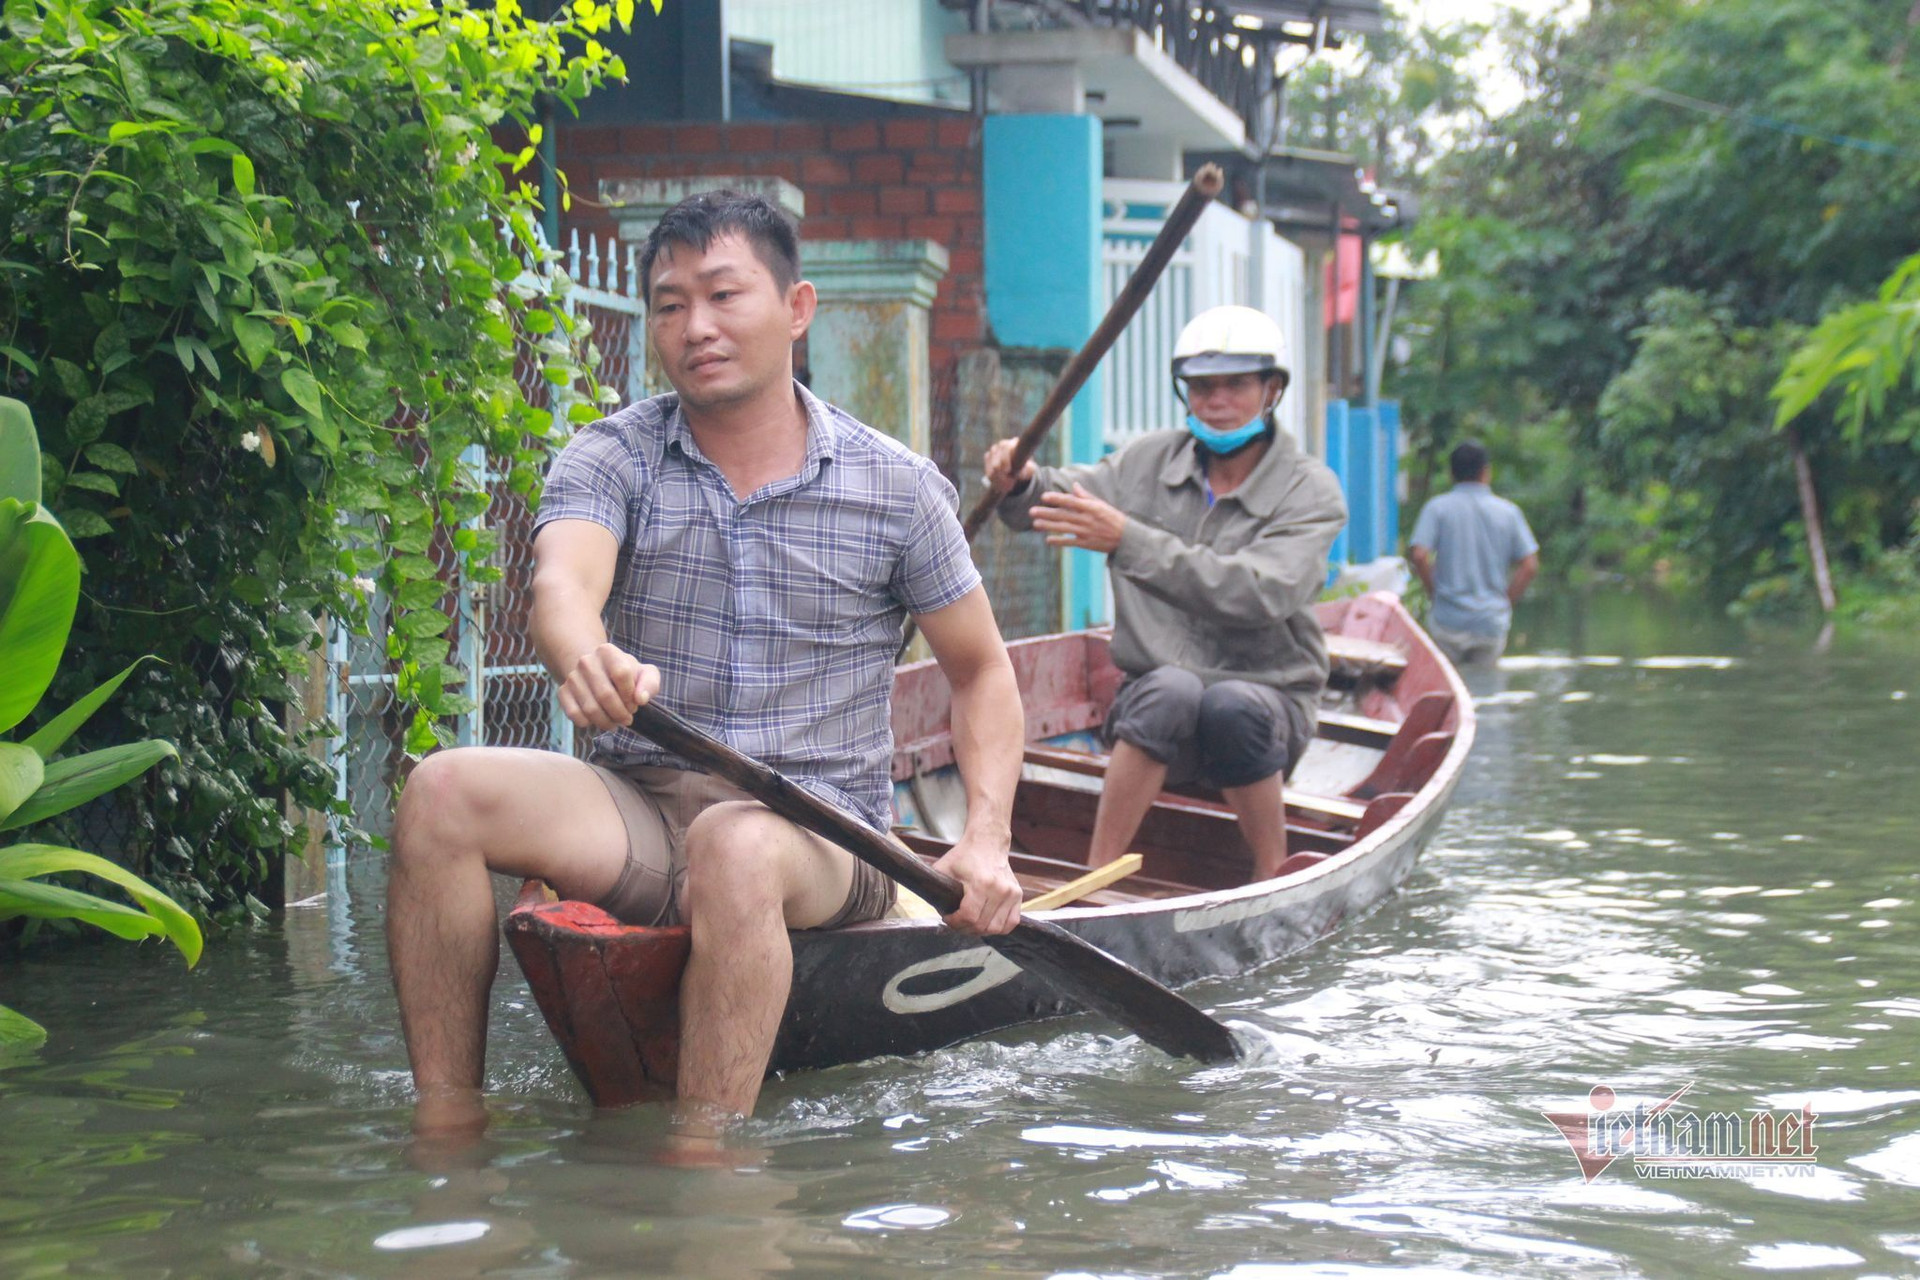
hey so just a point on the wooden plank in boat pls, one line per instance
(1355, 659)
(1359, 731)
(1323, 808)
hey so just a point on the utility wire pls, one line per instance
(1741, 114)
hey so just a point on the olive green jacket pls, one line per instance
(1226, 589)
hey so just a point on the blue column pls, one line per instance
(1362, 499)
(1339, 460)
(1390, 476)
(1042, 194)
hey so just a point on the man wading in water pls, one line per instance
(748, 554)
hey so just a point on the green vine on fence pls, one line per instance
(264, 279)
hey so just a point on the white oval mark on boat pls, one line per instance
(898, 1217)
(994, 969)
(438, 1233)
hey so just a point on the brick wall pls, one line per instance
(895, 179)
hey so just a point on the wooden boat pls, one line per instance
(1361, 804)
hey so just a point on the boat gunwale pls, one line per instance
(1428, 800)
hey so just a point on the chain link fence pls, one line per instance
(514, 703)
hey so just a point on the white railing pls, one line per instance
(1226, 259)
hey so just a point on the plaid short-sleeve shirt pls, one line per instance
(774, 619)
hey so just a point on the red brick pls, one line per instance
(964, 262)
(956, 200)
(907, 133)
(879, 167)
(934, 228)
(588, 140)
(750, 137)
(853, 200)
(946, 165)
(948, 327)
(827, 228)
(876, 228)
(693, 139)
(862, 136)
(828, 171)
(903, 200)
(955, 132)
(802, 137)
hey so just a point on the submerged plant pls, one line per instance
(39, 588)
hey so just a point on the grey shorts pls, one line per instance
(1468, 648)
(1228, 734)
(658, 804)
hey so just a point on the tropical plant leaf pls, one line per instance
(56, 902)
(19, 453)
(18, 1031)
(20, 774)
(49, 737)
(39, 587)
(20, 862)
(78, 779)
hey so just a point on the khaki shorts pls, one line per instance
(658, 804)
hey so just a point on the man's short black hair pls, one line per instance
(1469, 460)
(699, 220)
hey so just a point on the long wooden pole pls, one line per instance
(1090, 975)
(1186, 212)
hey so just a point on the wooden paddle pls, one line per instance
(1185, 213)
(1094, 978)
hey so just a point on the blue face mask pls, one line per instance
(1225, 442)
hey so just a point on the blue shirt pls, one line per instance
(774, 619)
(1476, 538)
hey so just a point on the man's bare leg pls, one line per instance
(1132, 784)
(751, 876)
(1262, 811)
(462, 814)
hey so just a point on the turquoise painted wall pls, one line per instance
(1042, 193)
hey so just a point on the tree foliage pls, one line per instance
(264, 281)
(1630, 257)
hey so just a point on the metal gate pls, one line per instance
(513, 699)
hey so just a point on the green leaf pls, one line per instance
(96, 481)
(78, 779)
(52, 735)
(18, 1031)
(54, 902)
(39, 587)
(421, 595)
(127, 130)
(73, 379)
(242, 175)
(81, 523)
(25, 861)
(21, 358)
(19, 452)
(255, 338)
(111, 457)
(19, 775)
(348, 334)
(305, 391)
(423, 622)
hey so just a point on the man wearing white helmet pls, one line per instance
(1216, 538)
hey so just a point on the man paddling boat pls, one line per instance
(1216, 540)
(748, 554)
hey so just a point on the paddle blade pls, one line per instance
(1158, 1015)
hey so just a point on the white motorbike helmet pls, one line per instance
(1231, 339)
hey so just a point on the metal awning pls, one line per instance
(1306, 189)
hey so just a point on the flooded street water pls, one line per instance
(1682, 856)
